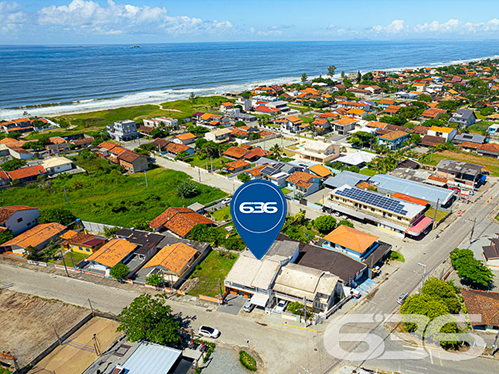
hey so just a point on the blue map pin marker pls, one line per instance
(258, 210)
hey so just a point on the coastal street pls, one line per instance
(270, 340)
(432, 252)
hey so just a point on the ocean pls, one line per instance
(47, 80)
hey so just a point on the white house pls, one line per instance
(56, 165)
(318, 151)
(110, 254)
(448, 133)
(18, 218)
(218, 135)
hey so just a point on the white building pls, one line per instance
(56, 165)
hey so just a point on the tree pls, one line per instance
(154, 279)
(192, 98)
(32, 253)
(13, 164)
(243, 177)
(346, 223)
(5, 236)
(187, 190)
(470, 269)
(181, 155)
(304, 77)
(110, 231)
(253, 136)
(140, 224)
(359, 77)
(330, 70)
(119, 271)
(442, 290)
(158, 133)
(239, 124)
(297, 308)
(276, 149)
(60, 215)
(324, 224)
(149, 317)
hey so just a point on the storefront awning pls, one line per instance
(259, 299)
(419, 226)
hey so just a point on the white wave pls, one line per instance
(149, 97)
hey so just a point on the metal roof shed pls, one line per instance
(345, 177)
(150, 358)
(391, 184)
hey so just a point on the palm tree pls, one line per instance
(277, 150)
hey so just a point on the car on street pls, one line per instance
(355, 293)
(227, 200)
(248, 307)
(208, 332)
(281, 306)
(401, 299)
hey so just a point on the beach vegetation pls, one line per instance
(304, 77)
(331, 69)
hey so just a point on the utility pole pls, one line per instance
(211, 161)
(199, 175)
(56, 334)
(64, 262)
(435, 215)
(145, 176)
(72, 258)
(472, 229)
(66, 194)
(424, 273)
(91, 308)
(494, 345)
(305, 309)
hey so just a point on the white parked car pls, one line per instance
(227, 200)
(281, 306)
(208, 332)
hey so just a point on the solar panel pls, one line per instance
(371, 198)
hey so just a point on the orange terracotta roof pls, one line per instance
(433, 112)
(392, 135)
(176, 148)
(301, 179)
(117, 149)
(57, 140)
(294, 119)
(320, 170)
(255, 171)
(179, 220)
(388, 102)
(438, 179)
(228, 103)
(328, 115)
(392, 109)
(233, 165)
(26, 172)
(129, 156)
(3, 175)
(208, 116)
(377, 125)
(410, 199)
(350, 238)
(483, 303)
(8, 140)
(113, 252)
(256, 152)
(7, 211)
(319, 121)
(345, 121)
(365, 185)
(174, 257)
(68, 234)
(107, 145)
(37, 235)
(186, 136)
(78, 238)
(236, 152)
(238, 132)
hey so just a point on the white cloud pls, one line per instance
(11, 18)
(450, 27)
(114, 18)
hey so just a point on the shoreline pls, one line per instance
(93, 105)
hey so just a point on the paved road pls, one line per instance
(271, 340)
(432, 252)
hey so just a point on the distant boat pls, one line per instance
(135, 46)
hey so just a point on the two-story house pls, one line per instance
(218, 136)
(18, 218)
(463, 117)
(393, 139)
(353, 243)
(448, 133)
(318, 151)
(304, 183)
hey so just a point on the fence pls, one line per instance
(97, 227)
(338, 305)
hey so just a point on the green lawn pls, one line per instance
(285, 191)
(480, 127)
(111, 198)
(77, 256)
(368, 172)
(184, 108)
(213, 268)
(194, 160)
(440, 214)
(222, 214)
(302, 109)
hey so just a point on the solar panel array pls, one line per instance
(272, 169)
(376, 200)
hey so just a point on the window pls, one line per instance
(80, 248)
(19, 219)
(389, 214)
(88, 249)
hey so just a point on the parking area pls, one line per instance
(233, 305)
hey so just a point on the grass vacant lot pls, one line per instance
(112, 198)
(222, 214)
(184, 108)
(196, 161)
(214, 267)
(490, 164)
(479, 127)
(440, 214)
(77, 256)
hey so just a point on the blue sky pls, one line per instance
(161, 21)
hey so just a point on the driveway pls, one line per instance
(233, 306)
